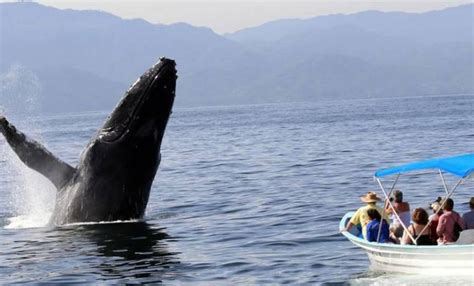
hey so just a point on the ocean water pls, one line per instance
(248, 195)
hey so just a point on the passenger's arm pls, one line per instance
(388, 209)
(461, 222)
(348, 227)
(441, 226)
(465, 221)
(405, 238)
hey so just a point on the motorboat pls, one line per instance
(448, 259)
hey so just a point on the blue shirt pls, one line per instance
(373, 231)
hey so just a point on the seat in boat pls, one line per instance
(466, 237)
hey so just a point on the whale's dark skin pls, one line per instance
(113, 178)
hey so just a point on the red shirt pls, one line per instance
(445, 227)
(433, 226)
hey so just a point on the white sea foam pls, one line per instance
(42, 219)
(32, 196)
(28, 220)
(105, 222)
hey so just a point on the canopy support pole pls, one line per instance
(444, 182)
(384, 207)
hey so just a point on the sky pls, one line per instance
(226, 16)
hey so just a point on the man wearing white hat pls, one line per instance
(361, 217)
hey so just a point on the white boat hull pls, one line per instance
(455, 259)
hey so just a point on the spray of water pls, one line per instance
(27, 196)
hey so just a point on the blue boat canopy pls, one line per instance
(461, 166)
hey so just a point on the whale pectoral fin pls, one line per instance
(36, 156)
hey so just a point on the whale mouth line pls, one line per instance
(116, 133)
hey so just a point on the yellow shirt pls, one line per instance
(361, 217)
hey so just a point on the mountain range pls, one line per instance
(85, 60)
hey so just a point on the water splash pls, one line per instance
(31, 196)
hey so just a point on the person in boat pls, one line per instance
(469, 216)
(373, 227)
(418, 229)
(436, 208)
(434, 218)
(450, 224)
(361, 217)
(403, 211)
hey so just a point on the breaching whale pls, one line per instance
(113, 178)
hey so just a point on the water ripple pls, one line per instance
(253, 201)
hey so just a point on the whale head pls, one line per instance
(145, 108)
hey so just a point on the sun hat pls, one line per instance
(436, 206)
(370, 197)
